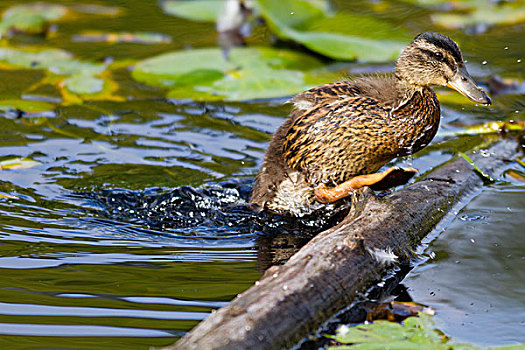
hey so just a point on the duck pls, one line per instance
(339, 135)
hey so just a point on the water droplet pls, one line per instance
(484, 153)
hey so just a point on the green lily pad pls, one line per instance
(84, 84)
(31, 18)
(414, 329)
(57, 61)
(492, 14)
(122, 37)
(34, 18)
(247, 73)
(194, 10)
(461, 14)
(343, 36)
(169, 69)
(26, 105)
(417, 333)
(251, 84)
(76, 79)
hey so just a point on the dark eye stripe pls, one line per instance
(444, 59)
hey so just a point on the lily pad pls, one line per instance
(122, 37)
(247, 73)
(344, 36)
(194, 10)
(31, 18)
(415, 333)
(56, 61)
(461, 14)
(26, 105)
(76, 79)
(493, 127)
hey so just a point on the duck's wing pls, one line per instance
(334, 138)
(324, 94)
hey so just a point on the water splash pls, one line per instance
(212, 210)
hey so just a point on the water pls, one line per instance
(77, 271)
(475, 281)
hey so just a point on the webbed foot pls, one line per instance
(391, 177)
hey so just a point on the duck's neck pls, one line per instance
(405, 90)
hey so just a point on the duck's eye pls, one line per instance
(439, 56)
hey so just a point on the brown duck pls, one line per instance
(340, 134)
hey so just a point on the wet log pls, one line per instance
(327, 274)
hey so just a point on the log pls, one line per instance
(292, 300)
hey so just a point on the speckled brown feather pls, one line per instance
(358, 135)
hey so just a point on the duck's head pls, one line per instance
(434, 59)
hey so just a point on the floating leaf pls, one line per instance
(101, 10)
(80, 87)
(194, 10)
(488, 128)
(492, 14)
(35, 18)
(31, 18)
(417, 333)
(26, 105)
(18, 163)
(76, 79)
(56, 61)
(367, 38)
(248, 73)
(123, 37)
(462, 14)
(167, 69)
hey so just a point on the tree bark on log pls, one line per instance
(326, 275)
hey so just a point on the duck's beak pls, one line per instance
(465, 85)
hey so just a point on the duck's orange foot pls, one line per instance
(391, 177)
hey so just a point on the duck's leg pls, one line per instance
(391, 177)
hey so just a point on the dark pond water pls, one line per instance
(78, 270)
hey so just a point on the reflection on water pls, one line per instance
(475, 282)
